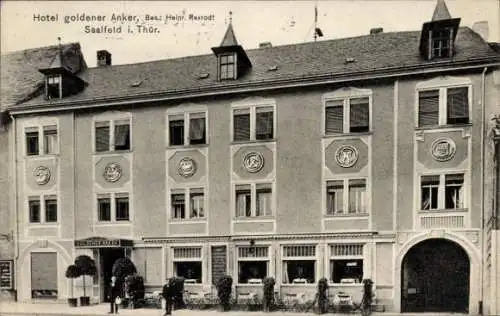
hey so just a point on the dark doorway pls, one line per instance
(435, 278)
(108, 256)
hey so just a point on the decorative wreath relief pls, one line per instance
(443, 149)
(253, 162)
(346, 156)
(186, 167)
(112, 172)
(42, 175)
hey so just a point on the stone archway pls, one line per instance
(435, 277)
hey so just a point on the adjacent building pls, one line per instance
(348, 159)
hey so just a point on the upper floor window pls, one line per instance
(227, 63)
(47, 144)
(54, 87)
(346, 196)
(441, 42)
(113, 207)
(254, 200)
(187, 203)
(253, 123)
(443, 106)
(187, 129)
(111, 135)
(347, 111)
(442, 192)
(42, 210)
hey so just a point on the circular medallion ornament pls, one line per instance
(186, 167)
(42, 175)
(443, 149)
(112, 172)
(253, 162)
(346, 156)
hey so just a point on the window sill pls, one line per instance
(339, 135)
(253, 141)
(115, 152)
(253, 218)
(187, 220)
(113, 223)
(444, 126)
(44, 224)
(187, 146)
(330, 216)
(42, 156)
(442, 211)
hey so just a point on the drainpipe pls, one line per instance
(483, 226)
(14, 183)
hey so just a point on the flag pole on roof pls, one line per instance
(317, 30)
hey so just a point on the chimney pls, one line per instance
(103, 58)
(376, 30)
(265, 45)
(482, 28)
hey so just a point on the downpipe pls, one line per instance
(483, 164)
(14, 205)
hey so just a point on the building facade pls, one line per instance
(346, 159)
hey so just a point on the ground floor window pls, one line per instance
(346, 263)
(299, 264)
(188, 263)
(253, 264)
(44, 275)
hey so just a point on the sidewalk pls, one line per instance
(53, 309)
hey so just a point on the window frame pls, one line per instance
(234, 63)
(53, 77)
(176, 259)
(42, 208)
(443, 85)
(254, 199)
(441, 194)
(112, 120)
(186, 118)
(252, 105)
(113, 197)
(40, 130)
(443, 38)
(187, 192)
(254, 257)
(332, 257)
(314, 257)
(346, 197)
(345, 95)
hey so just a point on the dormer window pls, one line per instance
(227, 66)
(441, 43)
(54, 87)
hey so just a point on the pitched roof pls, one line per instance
(229, 38)
(20, 78)
(370, 53)
(441, 11)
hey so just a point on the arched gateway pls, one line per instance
(435, 277)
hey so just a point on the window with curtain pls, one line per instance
(122, 206)
(454, 187)
(357, 196)
(32, 143)
(264, 199)
(241, 124)
(50, 209)
(50, 139)
(122, 135)
(359, 112)
(104, 208)
(335, 197)
(428, 108)
(34, 210)
(429, 192)
(178, 204)
(264, 123)
(197, 201)
(197, 129)
(243, 201)
(102, 136)
(457, 105)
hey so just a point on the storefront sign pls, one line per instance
(6, 274)
(101, 242)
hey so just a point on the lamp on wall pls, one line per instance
(252, 246)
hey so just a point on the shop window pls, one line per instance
(346, 263)
(299, 264)
(188, 263)
(253, 264)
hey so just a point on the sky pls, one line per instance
(30, 24)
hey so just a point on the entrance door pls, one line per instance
(435, 278)
(108, 256)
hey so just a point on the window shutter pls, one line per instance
(102, 136)
(264, 123)
(428, 108)
(359, 115)
(334, 117)
(458, 105)
(241, 128)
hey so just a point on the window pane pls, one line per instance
(178, 206)
(264, 123)
(189, 270)
(50, 139)
(31, 143)
(346, 271)
(454, 190)
(458, 105)
(334, 117)
(122, 136)
(359, 119)
(243, 201)
(104, 209)
(197, 130)
(122, 208)
(197, 205)
(299, 271)
(102, 136)
(51, 210)
(335, 197)
(176, 132)
(357, 194)
(34, 209)
(241, 125)
(429, 192)
(248, 270)
(428, 108)
(264, 198)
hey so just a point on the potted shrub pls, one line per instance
(87, 268)
(134, 287)
(268, 300)
(224, 287)
(72, 272)
(122, 268)
(368, 295)
(177, 288)
(322, 296)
